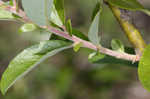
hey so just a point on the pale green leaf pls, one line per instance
(117, 45)
(77, 46)
(28, 27)
(5, 14)
(95, 56)
(29, 59)
(146, 11)
(94, 28)
(38, 11)
(55, 17)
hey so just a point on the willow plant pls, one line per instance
(49, 16)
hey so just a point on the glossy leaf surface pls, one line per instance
(29, 59)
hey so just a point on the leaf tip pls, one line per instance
(3, 90)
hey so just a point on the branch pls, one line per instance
(103, 50)
(15, 3)
(13, 10)
(130, 30)
(86, 44)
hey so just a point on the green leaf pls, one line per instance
(55, 19)
(144, 68)
(59, 5)
(38, 11)
(77, 47)
(117, 45)
(69, 27)
(95, 56)
(79, 34)
(56, 37)
(97, 8)
(5, 14)
(28, 27)
(133, 5)
(16, 16)
(112, 60)
(146, 11)
(94, 28)
(11, 2)
(58, 14)
(29, 59)
(127, 4)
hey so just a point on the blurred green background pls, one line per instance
(69, 75)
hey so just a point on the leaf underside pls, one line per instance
(94, 29)
(38, 11)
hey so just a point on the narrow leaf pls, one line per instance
(146, 11)
(133, 5)
(94, 28)
(95, 56)
(55, 19)
(29, 59)
(144, 68)
(28, 27)
(38, 11)
(96, 10)
(117, 45)
(59, 5)
(69, 27)
(126, 4)
(79, 34)
(112, 60)
(77, 47)
(56, 37)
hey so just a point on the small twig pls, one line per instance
(103, 50)
(20, 13)
(1, 3)
(75, 39)
(14, 3)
